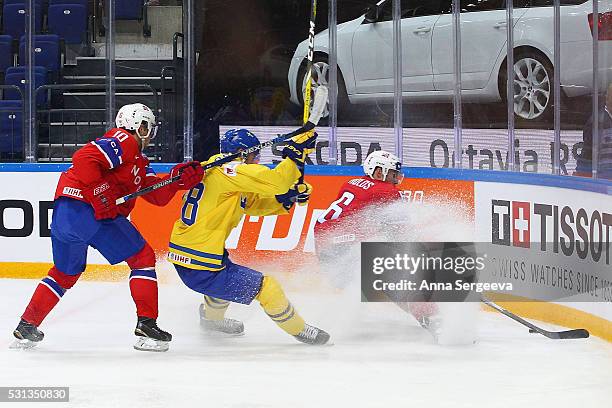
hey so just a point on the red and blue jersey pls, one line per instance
(115, 158)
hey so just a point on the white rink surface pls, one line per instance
(381, 358)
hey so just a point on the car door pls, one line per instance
(483, 37)
(372, 49)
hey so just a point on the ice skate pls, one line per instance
(433, 324)
(151, 337)
(27, 335)
(226, 326)
(312, 335)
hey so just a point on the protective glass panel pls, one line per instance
(78, 109)
(603, 162)
(248, 68)
(76, 113)
(534, 86)
(21, 65)
(589, 96)
(576, 81)
(148, 68)
(365, 80)
(484, 49)
(251, 74)
(429, 84)
(86, 66)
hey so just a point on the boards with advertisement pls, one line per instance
(26, 212)
(553, 243)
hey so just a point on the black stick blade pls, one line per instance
(562, 335)
(574, 334)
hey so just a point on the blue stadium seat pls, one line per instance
(133, 10)
(16, 76)
(81, 2)
(13, 19)
(129, 9)
(11, 129)
(6, 52)
(69, 21)
(47, 52)
(37, 2)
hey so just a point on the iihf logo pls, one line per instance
(501, 210)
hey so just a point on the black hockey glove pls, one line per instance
(299, 193)
(298, 148)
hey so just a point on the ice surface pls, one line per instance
(381, 358)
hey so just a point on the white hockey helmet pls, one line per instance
(385, 160)
(132, 116)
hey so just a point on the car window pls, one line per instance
(412, 8)
(468, 6)
(549, 3)
(417, 8)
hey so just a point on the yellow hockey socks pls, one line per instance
(277, 306)
(214, 309)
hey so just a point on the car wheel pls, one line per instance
(533, 88)
(320, 76)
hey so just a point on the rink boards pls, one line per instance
(512, 209)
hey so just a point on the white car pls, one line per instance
(365, 54)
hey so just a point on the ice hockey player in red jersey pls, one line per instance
(85, 214)
(379, 186)
(341, 226)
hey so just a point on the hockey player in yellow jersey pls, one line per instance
(212, 208)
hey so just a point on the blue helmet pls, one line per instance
(237, 139)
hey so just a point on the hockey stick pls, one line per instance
(317, 111)
(559, 335)
(310, 57)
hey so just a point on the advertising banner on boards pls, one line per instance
(25, 217)
(483, 149)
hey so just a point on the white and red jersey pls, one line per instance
(354, 195)
(117, 159)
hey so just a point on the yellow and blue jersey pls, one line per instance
(215, 206)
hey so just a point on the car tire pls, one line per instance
(321, 68)
(533, 88)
